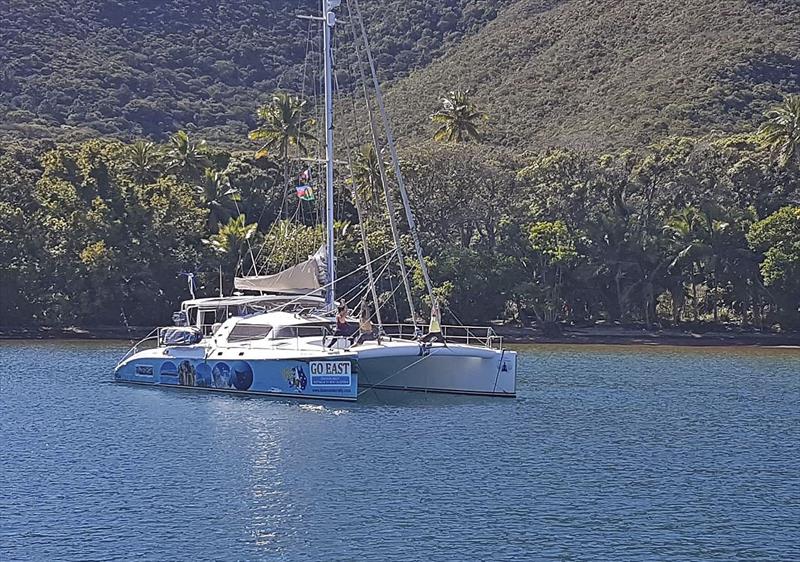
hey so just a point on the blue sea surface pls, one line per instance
(608, 453)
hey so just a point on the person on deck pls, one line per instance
(366, 330)
(342, 328)
(435, 327)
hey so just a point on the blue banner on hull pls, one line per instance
(319, 379)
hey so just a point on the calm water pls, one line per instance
(607, 454)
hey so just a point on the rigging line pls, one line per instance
(275, 223)
(317, 86)
(358, 285)
(286, 226)
(396, 311)
(412, 225)
(382, 170)
(359, 212)
(431, 353)
(355, 300)
(311, 293)
(467, 329)
(499, 367)
(249, 246)
(394, 300)
(305, 59)
(377, 306)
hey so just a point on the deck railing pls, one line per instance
(471, 335)
(153, 337)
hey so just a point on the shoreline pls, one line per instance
(597, 335)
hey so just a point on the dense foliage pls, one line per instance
(684, 230)
(591, 162)
(76, 70)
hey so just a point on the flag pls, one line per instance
(305, 175)
(304, 192)
(192, 283)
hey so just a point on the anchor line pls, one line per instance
(380, 382)
(500, 366)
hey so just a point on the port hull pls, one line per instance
(323, 378)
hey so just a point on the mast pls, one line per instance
(328, 22)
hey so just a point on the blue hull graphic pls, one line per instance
(279, 377)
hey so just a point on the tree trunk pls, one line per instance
(714, 294)
(284, 189)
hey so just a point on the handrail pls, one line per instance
(475, 335)
(154, 334)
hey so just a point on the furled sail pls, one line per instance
(305, 278)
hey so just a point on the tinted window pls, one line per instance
(244, 332)
(313, 330)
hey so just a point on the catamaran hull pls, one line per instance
(322, 378)
(455, 369)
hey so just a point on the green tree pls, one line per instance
(284, 124)
(457, 119)
(231, 242)
(701, 244)
(143, 161)
(185, 157)
(554, 250)
(218, 197)
(777, 237)
(367, 178)
(781, 132)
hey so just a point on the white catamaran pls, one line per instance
(281, 341)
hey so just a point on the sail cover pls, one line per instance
(308, 277)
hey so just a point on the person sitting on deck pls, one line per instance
(366, 330)
(435, 327)
(342, 328)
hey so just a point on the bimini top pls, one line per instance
(240, 300)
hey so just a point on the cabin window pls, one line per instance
(310, 331)
(208, 317)
(245, 332)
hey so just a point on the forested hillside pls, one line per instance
(578, 73)
(593, 74)
(569, 161)
(79, 69)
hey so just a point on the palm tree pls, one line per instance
(218, 196)
(367, 176)
(683, 231)
(701, 241)
(284, 124)
(231, 238)
(781, 132)
(457, 118)
(186, 157)
(142, 160)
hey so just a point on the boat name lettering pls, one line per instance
(330, 373)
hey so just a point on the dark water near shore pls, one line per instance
(609, 453)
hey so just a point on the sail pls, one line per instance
(305, 278)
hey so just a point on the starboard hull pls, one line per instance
(454, 369)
